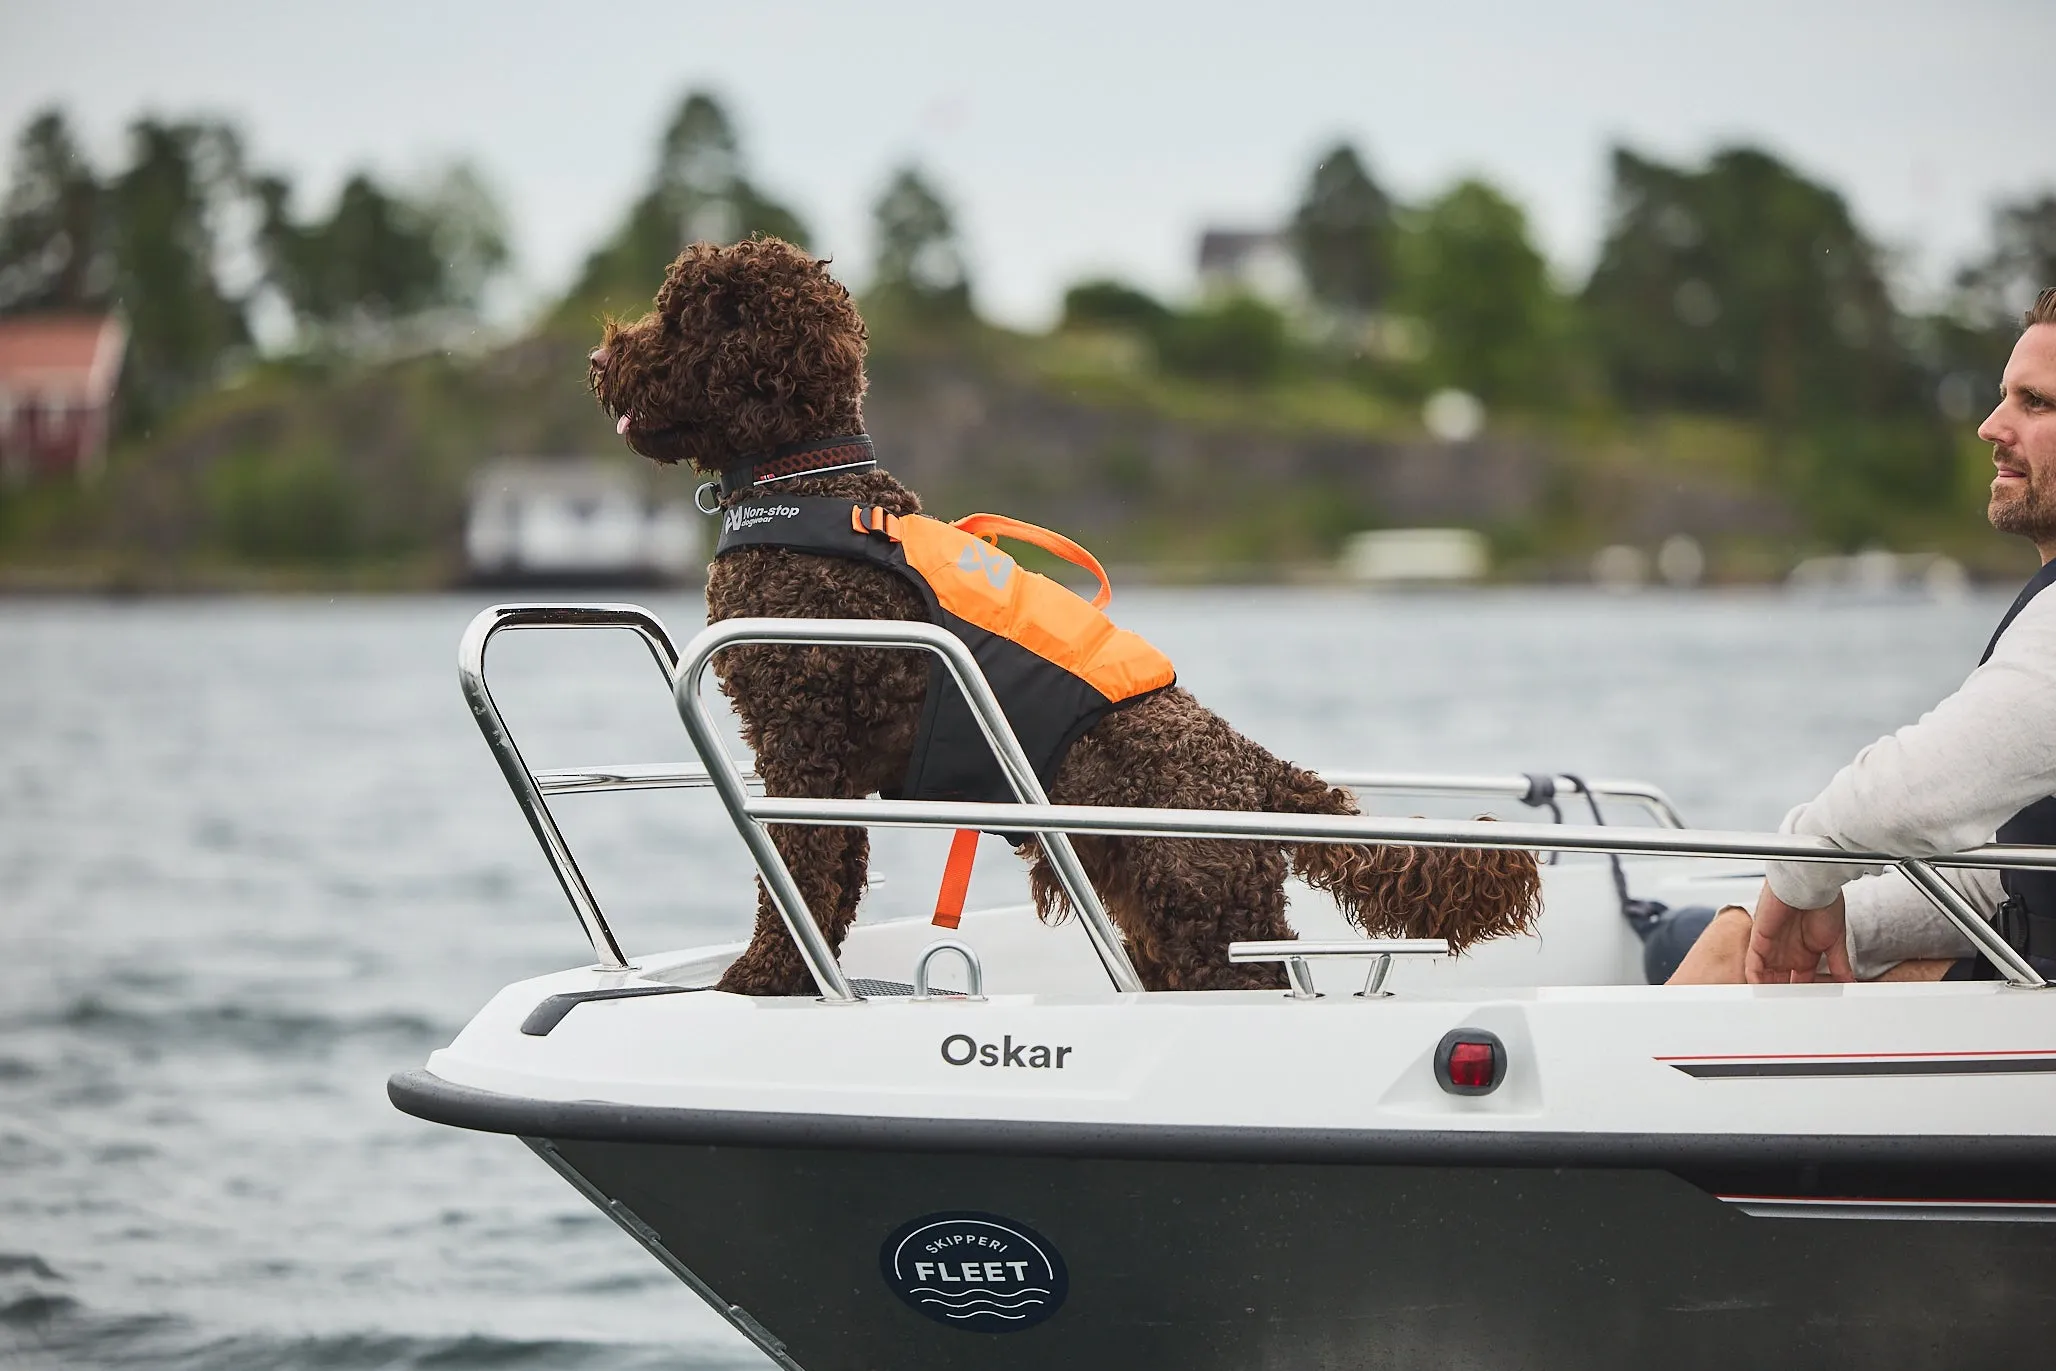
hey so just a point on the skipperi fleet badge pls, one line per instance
(975, 1271)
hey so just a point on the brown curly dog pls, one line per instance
(756, 345)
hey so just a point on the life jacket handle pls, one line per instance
(1000, 526)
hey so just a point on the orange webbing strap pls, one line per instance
(1000, 526)
(956, 878)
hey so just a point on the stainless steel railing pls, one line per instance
(585, 780)
(1053, 823)
(528, 794)
(957, 659)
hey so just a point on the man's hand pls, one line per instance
(1786, 944)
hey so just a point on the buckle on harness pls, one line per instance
(875, 520)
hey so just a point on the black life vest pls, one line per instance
(2028, 918)
(1056, 664)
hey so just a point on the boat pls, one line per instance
(994, 1149)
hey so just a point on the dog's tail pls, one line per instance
(1463, 894)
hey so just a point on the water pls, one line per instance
(254, 858)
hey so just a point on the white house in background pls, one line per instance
(1250, 262)
(1418, 556)
(577, 521)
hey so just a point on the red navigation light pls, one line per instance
(1470, 1061)
(1470, 1065)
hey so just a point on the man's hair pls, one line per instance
(2044, 311)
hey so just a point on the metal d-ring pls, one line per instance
(974, 974)
(699, 498)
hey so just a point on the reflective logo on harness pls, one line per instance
(981, 557)
(739, 517)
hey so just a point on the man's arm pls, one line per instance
(1890, 921)
(1948, 781)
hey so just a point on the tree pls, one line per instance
(381, 260)
(1112, 304)
(166, 213)
(1742, 287)
(54, 247)
(469, 231)
(920, 264)
(1342, 234)
(2022, 263)
(697, 192)
(1745, 288)
(1473, 277)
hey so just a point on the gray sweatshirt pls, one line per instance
(1939, 785)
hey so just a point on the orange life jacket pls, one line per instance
(1055, 662)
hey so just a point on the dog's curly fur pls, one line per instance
(756, 345)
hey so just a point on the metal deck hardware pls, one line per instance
(1053, 823)
(1297, 952)
(974, 971)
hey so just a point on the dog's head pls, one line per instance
(750, 346)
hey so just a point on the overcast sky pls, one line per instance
(1083, 138)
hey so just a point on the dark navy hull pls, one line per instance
(1199, 1251)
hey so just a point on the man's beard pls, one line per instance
(2030, 513)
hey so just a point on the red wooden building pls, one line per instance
(57, 379)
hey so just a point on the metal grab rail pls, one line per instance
(528, 793)
(1639, 793)
(999, 735)
(585, 780)
(1350, 828)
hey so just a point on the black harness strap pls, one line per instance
(2040, 582)
(2027, 919)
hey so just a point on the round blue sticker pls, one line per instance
(975, 1271)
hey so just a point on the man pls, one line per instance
(1981, 762)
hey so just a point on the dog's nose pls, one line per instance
(598, 357)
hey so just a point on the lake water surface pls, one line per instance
(254, 858)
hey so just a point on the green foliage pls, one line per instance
(1238, 338)
(167, 209)
(1107, 303)
(1737, 309)
(295, 504)
(55, 252)
(1746, 288)
(1233, 338)
(1470, 273)
(1343, 234)
(698, 192)
(920, 265)
(380, 258)
(1996, 290)
(1858, 479)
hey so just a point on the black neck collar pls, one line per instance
(851, 452)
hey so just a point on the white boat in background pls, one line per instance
(1522, 1157)
(575, 521)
